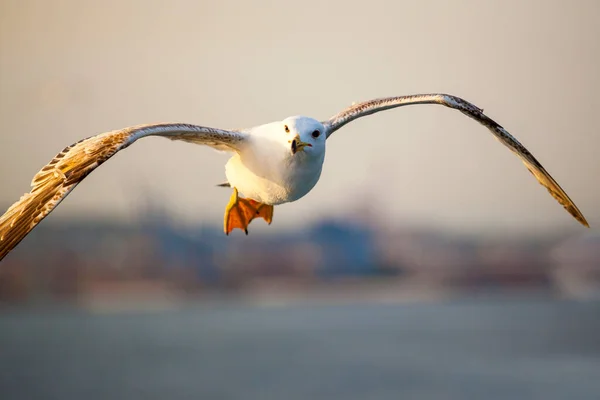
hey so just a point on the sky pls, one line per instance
(71, 69)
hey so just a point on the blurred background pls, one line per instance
(426, 263)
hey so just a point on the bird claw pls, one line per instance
(240, 212)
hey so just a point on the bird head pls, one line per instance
(304, 136)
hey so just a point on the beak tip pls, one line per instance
(299, 145)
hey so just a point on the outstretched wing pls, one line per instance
(56, 180)
(373, 106)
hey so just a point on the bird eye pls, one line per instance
(316, 134)
(287, 129)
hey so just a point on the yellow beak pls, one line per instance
(298, 145)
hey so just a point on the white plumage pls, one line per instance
(271, 164)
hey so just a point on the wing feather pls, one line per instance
(64, 172)
(543, 177)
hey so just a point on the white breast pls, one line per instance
(273, 175)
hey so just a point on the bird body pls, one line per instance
(271, 164)
(268, 171)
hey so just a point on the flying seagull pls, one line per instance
(272, 164)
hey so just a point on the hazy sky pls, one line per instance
(71, 69)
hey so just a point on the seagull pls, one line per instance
(272, 164)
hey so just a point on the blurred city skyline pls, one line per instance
(73, 69)
(91, 263)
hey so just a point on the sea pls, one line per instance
(472, 348)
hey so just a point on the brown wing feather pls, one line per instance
(61, 175)
(474, 112)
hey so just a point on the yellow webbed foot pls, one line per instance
(263, 211)
(240, 212)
